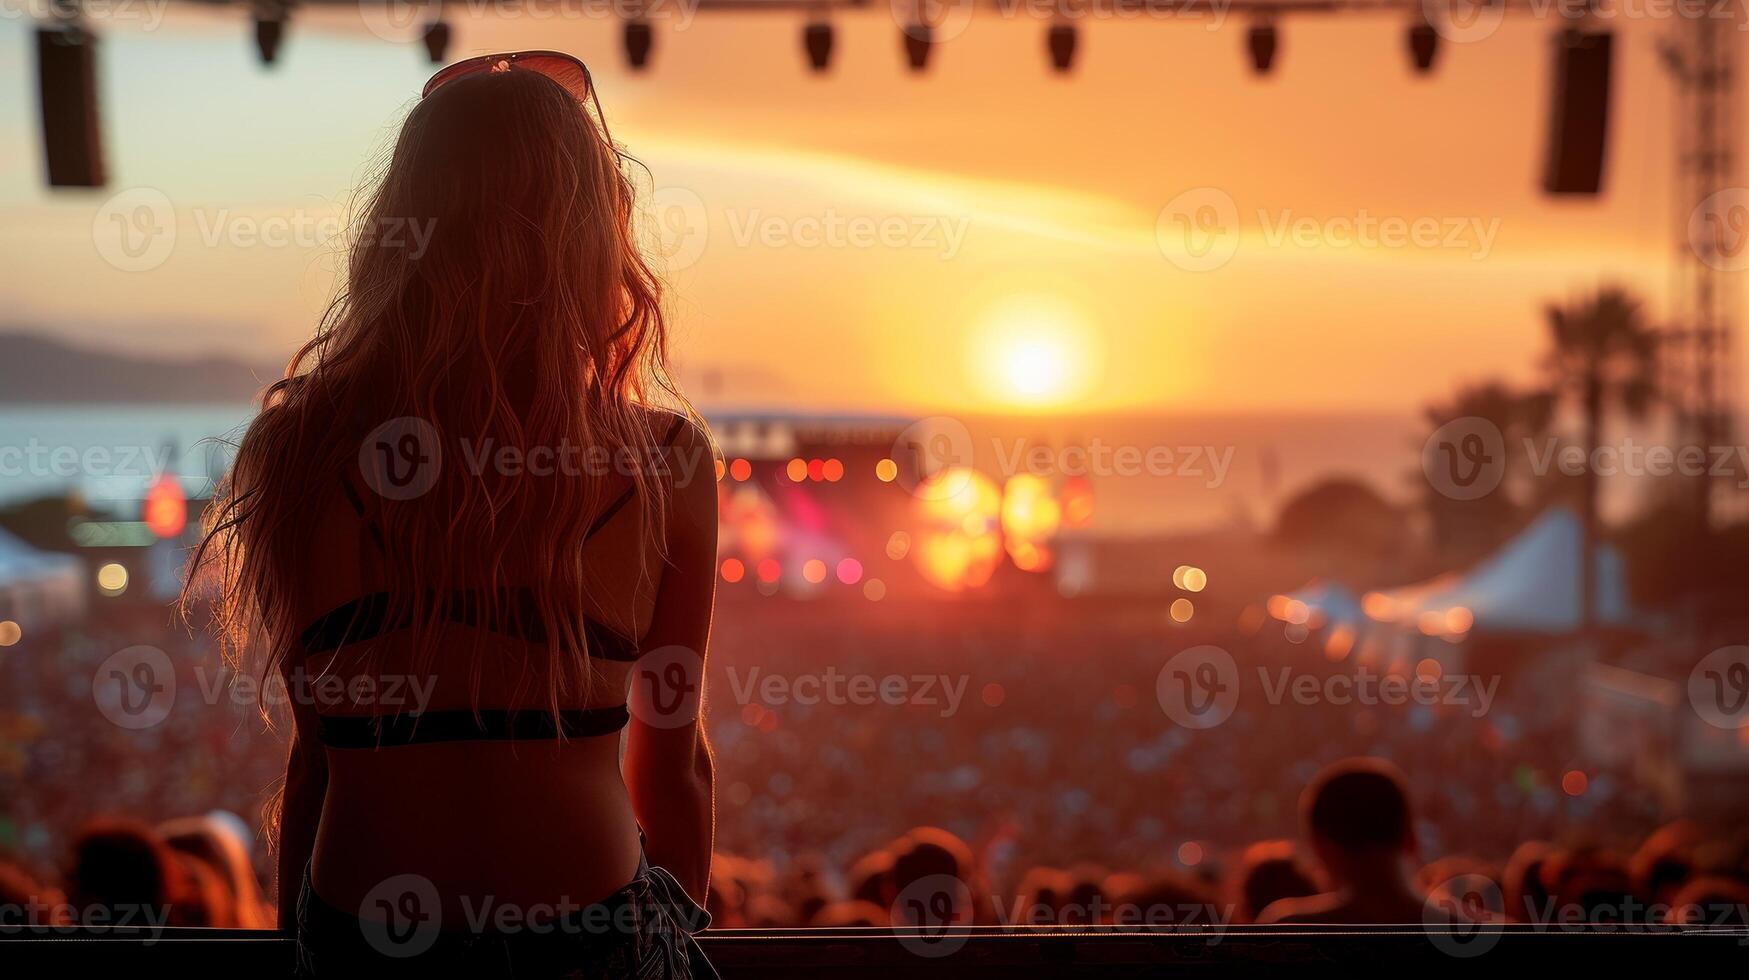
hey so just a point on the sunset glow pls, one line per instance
(1034, 353)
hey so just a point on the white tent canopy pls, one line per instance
(1333, 602)
(1531, 585)
(38, 587)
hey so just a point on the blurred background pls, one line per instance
(1105, 373)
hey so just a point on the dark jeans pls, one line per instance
(644, 930)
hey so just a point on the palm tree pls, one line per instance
(1604, 353)
(1464, 530)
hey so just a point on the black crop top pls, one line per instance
(513, 614)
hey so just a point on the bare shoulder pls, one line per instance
(690, 456)
(676, 430)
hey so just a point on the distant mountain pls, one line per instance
(35, 369)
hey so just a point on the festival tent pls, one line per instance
(38, 588)
(1530, 586)
(1331, 603)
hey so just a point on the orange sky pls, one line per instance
(1028, 203)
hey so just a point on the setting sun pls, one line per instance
(1034, 353)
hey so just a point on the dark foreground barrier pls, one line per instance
(1555, 953)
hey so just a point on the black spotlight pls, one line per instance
(817, 40)
(1262, 42)
(66, 55)
(437, 41)
(919, 38)
(639, 40)
(269, 30)
(1423, 46)
(1060, 41)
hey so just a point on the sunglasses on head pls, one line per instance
(565, 69)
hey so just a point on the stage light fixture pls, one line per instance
(1060, 41)
(1423, 46)
(639, 39)
(1261, 42)
(919, 38)
(270, 18)
(437, 41)
(817, 41)
(66, 54)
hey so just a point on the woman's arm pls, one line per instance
(306, 783)
(667, 765)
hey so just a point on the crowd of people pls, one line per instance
(1026, 752)
(1358, 860)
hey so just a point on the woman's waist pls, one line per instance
(475, 838)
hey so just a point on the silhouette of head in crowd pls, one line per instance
(1357, 820)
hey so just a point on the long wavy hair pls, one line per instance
(495, 292)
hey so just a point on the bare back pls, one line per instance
(525, 821)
